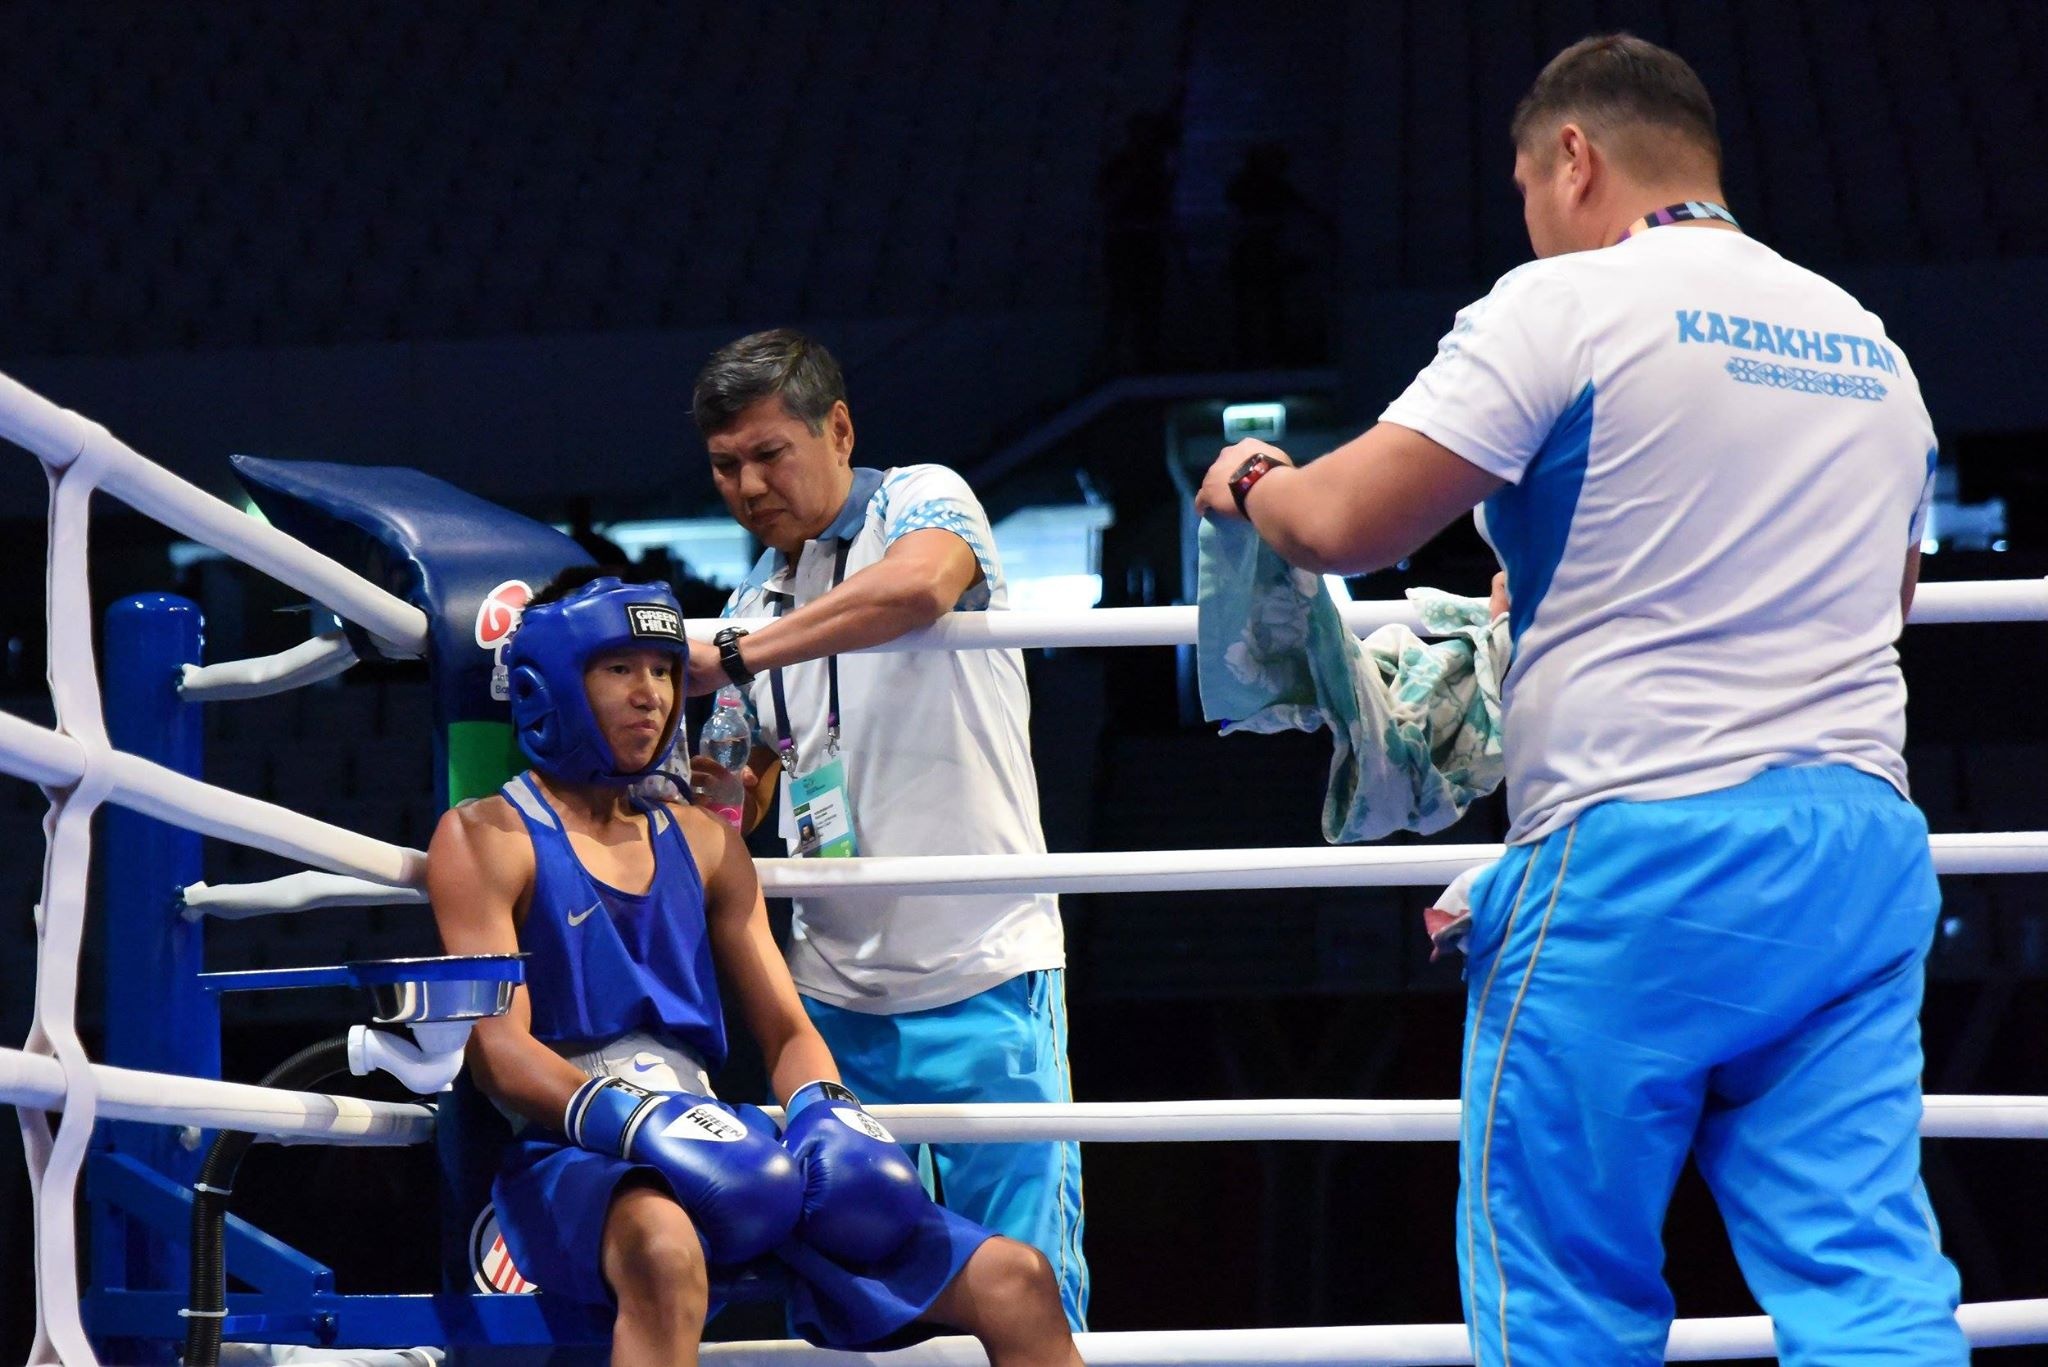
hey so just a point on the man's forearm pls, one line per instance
(877, 605)
(1362, 507)
(1287, 512)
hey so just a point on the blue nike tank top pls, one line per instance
(603, 962)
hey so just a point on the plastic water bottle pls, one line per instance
(725, 740)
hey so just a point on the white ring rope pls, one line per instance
(308, 662)
(39, 754)
(1327, 1121)
(1990, 600)
(58, 760)
(292, 893)
(56, 1157)
(166, 1099)
(1350, 866)
(36, 1081)
(1989, 1324)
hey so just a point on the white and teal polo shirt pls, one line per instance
(937, 747)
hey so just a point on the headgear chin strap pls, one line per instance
(545, 661)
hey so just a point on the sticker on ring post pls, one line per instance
(821, 812)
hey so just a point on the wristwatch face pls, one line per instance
(728, 643)
(1247, 475)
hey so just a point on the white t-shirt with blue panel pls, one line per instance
(937, 749)
(1716, 463)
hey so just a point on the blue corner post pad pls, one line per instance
(440, 548)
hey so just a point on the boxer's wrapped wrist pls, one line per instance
(813, 1092)
(604, 1113)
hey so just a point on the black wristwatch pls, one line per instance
(1251, 472)
(728, 643)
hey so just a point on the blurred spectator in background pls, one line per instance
(1265, 209)
(1136, 188)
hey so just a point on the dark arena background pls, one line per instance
(1058, 245)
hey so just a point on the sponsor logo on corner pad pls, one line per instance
(499, 611)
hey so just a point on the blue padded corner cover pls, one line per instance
(437, 547)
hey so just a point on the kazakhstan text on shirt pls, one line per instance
(1754, 334)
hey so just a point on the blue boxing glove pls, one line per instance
(862, 1196)
(740, 1188)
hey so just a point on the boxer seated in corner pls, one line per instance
(630, 1185)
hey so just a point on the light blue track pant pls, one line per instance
(1736, 975)
(1006, 1044)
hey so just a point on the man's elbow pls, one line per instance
(1334, 551)
(938, 601)
(930, 598)
(1317, 538)
(1305, 557)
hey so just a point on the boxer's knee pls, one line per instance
(653, 1259)
(1008, 1294)
(1017, 1271)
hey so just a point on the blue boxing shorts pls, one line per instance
(552, 1199)
(878, 1305)
(1735, 975)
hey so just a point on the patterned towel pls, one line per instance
(1416, 722)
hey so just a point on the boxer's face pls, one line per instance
(780, 480)
(632, 692)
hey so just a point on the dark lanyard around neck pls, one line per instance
(785, 737)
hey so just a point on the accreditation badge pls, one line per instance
(820, 814)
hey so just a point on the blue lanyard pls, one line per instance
(785, 741)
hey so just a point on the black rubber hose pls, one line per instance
(207, 1292)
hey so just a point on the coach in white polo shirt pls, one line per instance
(922, 998)
(1706, 470)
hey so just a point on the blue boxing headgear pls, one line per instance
(545, 661)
